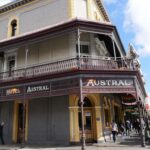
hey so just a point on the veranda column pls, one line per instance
(82, 115)
(142, 133)
(24, 100)
(74, 124)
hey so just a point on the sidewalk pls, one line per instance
(123, 143)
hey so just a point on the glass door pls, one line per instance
(88, 124)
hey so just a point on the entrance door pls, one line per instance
(116, 111)
(19, 120)
(20, 123)
(88, 121)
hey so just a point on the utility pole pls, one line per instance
(142, 130)
(82, 115)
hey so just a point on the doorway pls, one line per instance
(19, 123)
(116, 114)
(88, 121)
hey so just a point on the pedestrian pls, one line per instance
(114, 130)
(128, 127)
(1, 132)
(122, 129)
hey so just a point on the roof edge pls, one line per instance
(13, 5)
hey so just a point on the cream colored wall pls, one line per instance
(46, 51)
(96, 13)
(34, 15)
(93, 11)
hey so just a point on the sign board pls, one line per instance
(147, 103)
(108, 82)
(12, 91)
(38, 88)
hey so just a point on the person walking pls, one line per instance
(128, 127)
(1, 132)
(114, 130)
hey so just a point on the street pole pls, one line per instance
(142, 131)
(82, 116)
(23, 121)
(24, 102)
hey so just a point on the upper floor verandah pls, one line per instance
(89, 63)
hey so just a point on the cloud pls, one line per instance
(3, 2)
(137, 20)
(108, 2)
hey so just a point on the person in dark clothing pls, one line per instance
(1, 132)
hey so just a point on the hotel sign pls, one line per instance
(13, 91)
(108, 82)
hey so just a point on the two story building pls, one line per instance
(64, 72)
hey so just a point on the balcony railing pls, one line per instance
(72, 64)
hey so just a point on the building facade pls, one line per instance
(55, 55)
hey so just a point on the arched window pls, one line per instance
(87, 102)
(13, 27)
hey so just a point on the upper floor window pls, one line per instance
(84, 49)
(81, 8)
(14, 27)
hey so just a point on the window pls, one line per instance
(84, 49)
(13, 27)
(107, 114)
(87, 103)
(10, 61)
(11, 64)
(106, 111)
(81, 8)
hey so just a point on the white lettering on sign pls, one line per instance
(109, 83)
(37, 88)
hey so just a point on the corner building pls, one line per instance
(54, 54)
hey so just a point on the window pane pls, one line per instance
(106, 117)
(88, 120)
(80, 120)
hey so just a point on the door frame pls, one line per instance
(15, 120)
(89, 133)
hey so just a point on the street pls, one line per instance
(123, 143)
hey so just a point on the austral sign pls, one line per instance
(107, 85)
(108, 82)
(38, 88)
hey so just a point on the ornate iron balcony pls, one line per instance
(72, 64)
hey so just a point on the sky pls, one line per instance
(132, 18)
(2, 2)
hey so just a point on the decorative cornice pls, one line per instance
(13, 5)
(18, 3)
(101, 6)
(59, 28)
